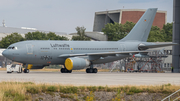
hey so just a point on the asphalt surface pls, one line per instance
(101, 78)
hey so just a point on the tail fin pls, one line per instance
(140, 31)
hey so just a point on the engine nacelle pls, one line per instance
(76, 63)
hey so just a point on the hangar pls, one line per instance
(122, 15)
(4, 31)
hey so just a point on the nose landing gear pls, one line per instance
(26, 70)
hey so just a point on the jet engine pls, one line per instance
(76, 63)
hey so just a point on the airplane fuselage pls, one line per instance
(48, 52)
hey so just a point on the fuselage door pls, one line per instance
(29, 48)
(122, 47)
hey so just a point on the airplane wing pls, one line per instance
(104, 53)
(144, 47)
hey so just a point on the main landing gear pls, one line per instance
(91, 69)
(64, 70)
(26, 70)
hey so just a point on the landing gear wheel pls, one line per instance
(69, 71)
(26, 70)
(91, 70)
(87, 70)
(64, 70)
(95, 70)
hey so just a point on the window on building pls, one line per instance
(164, 64)
(168, 65)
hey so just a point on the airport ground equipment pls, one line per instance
(152, 62)
(14, 68)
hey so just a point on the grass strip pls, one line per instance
(20, 91)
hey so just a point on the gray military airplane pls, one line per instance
(80, 54)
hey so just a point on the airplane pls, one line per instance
(76, 55)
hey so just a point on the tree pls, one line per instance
(167, 31)
(155, 35)
(53, 36)
(36, 36)
(116, 31)
(81, 33)
(10, 39)
(43, 36)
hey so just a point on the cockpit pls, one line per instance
(12, 47)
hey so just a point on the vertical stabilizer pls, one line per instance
(140, 31)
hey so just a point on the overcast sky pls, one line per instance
(66, 15)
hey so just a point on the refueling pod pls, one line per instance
(76, 63)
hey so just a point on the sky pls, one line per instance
(66, 15)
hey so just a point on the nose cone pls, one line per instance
(5, 53)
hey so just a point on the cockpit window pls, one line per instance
(13, 47)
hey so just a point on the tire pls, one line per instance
(27, 70)
(65, 70)
(87, 70)
(69, 71)
(95, 70)
(62, 70)
(90, 70)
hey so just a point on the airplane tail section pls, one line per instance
(140, 31)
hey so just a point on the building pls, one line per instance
(4, 31)
(123, 15)
(94, 36)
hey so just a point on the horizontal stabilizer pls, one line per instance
(144, 47)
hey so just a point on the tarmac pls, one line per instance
(99, 79)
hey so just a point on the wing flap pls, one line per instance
(103, 53)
